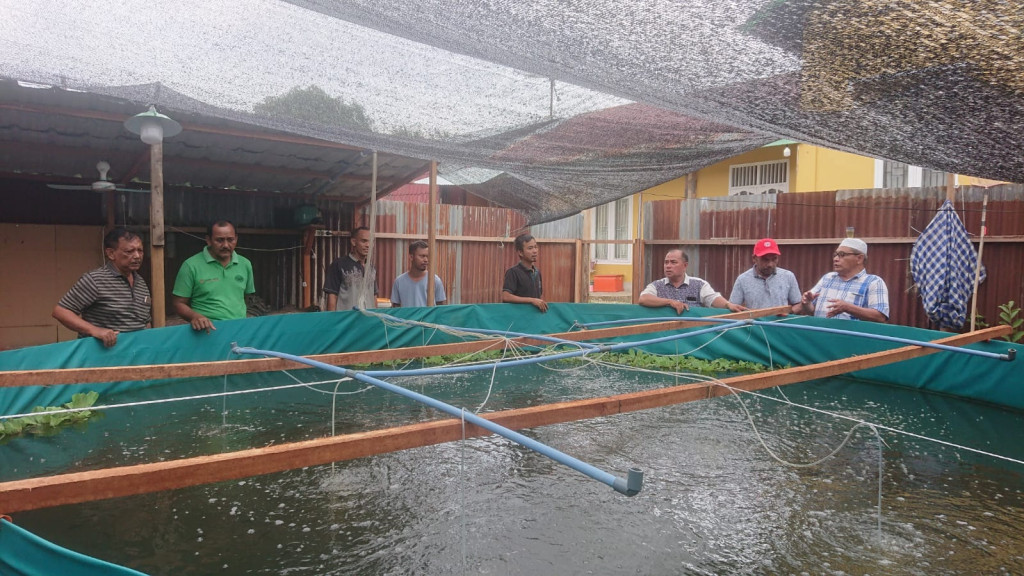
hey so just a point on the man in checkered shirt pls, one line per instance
(848, 292)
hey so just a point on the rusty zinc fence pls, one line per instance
(718, 234)
(473, 249)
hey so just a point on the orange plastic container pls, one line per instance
(608, 283)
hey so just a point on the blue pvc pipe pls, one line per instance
(629, 486)
(1010, 356)
(922, 343)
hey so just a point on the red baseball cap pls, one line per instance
(766, 246)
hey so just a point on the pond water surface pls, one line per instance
(714, 500)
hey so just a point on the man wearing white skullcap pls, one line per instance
(848, 292)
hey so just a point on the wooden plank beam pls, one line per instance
(19, 378)
(35, 493)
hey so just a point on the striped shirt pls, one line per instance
(104, 298)
(864, 290)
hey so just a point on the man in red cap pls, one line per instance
(765, 285)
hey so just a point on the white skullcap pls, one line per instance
(855, 244)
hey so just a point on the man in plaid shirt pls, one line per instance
(848, 292)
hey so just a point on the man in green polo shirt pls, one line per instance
(212, 284)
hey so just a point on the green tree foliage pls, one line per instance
(315, 106)
(1009, 314)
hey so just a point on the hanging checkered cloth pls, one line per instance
(942, 263)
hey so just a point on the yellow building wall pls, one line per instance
(816, 169)
(667, 191)
(714, 180)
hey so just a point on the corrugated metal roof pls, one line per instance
(58, 136)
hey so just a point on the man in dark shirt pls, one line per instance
(111, 299)
(522, 282)
(348, 284)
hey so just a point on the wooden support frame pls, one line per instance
(19, 378)
(35, 493)
(156, 234)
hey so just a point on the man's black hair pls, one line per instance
(522, 239)
(113, 238)
(417, 245)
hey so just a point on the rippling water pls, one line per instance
(714, 500)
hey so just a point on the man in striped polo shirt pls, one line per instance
(681, 291)
(848, 292)
(111, 299)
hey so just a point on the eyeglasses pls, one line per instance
(841, 254)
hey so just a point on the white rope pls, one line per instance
(711, 380)
(196, 397)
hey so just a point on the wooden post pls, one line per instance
(638, 254)
(156, 233)
(308, 236)
(577, 293)
(432, 232)
(951, 187)
(977, 265)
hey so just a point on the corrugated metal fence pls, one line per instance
(718, 234)
(473, 250)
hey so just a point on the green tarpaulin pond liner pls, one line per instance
(983, 379)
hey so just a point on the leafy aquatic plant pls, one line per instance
(46, 420)
(680, 363)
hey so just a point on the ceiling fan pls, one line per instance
(101, 185)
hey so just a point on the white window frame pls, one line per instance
(609, 250)
(759, 178)
(914, 174)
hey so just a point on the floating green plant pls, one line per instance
(46, 420)
(679, 363)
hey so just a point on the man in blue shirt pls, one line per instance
(765, 285)
(410, 289)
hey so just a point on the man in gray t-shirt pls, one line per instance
(765, 285)
(410, 289)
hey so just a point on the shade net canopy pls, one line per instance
(554, 107)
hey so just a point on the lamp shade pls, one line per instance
(152, 126)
